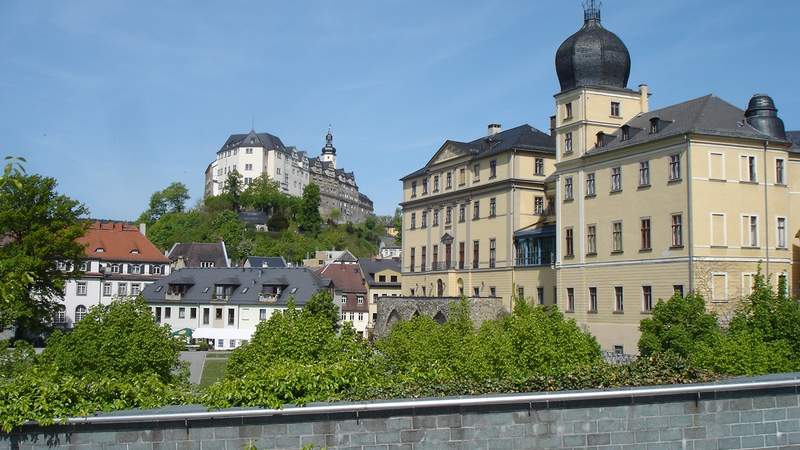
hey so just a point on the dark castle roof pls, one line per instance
(298, 283)
(709, 115)
(593, 56)
(794, 137)
(265, 140)
(194, 253)
(523, 137)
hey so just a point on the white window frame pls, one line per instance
(724, 172)
(569, 193)
(80, 316)
(652, 301)
(742, 174)
(713, 294)
(78, 289)
(591, 184)
(724, 229)
(785, 233)
(750, 244)
(676, 163)
(618, 176)
(591, 239)
(783, 171)
(614, 247)
(110, 291)
(752, 280)
(620, 301)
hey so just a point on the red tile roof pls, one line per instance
(118, 241)
(346, 277)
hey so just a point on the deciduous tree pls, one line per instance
(38, 227)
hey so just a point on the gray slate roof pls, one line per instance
(370, 267)
(794, 136)
(523, 137)
(300, 283)
(709, 115)
(195, 252)
(265, 261)
(389, 242)
(265, 140)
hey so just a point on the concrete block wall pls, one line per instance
(763, 418)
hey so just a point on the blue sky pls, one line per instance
(118, 99)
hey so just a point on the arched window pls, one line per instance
(80, 313)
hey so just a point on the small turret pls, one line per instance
(762, 115)
(329, 151)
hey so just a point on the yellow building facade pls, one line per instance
(640, 203)
(461, 213)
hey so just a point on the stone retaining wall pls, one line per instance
(750, 418)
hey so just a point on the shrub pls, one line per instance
(294, 357)
(678, 326)
(117, 340)
(43, 394)
(532, 341)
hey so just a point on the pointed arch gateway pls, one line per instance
(392, 320)
(440, 318)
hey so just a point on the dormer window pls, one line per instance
(600, 139)
(99, 250)
(159, 288)
(625, 133)
(654, 123)
(135, 251)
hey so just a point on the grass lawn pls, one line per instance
(214, 368)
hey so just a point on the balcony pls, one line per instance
(443, 265)
(533, 261)
(267, 297)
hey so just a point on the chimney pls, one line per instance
(552, 125)
(143, 229)
(494, 128)
(644, 98)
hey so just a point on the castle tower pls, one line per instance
(329, 151)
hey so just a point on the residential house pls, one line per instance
(350, 293)
(383, 279)
(225, 305)
(388, 248)
(120, 262)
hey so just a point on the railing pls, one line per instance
(268, 298)
(443, 265)
(532, 261)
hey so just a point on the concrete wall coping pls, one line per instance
(533, 400)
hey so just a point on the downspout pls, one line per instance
(766, 212)
(689, 215)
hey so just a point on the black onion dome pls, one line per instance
(593, 56)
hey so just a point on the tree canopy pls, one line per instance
(40, 228)
(171, 199)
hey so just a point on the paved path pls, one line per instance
(196, 362)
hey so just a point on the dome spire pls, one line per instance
(593, 56)
(591, 10)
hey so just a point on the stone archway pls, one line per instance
(392, 320)
(440, 318)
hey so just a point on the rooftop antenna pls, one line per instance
(591, 10)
